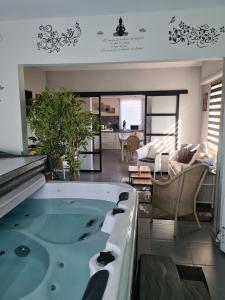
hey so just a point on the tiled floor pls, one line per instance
(191, 247)
(112, 168)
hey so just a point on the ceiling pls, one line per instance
(121, 66)
(29, 9)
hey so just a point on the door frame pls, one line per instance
(175, 93)
(98, 95)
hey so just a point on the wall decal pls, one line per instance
(201, 36)
(173, 19)
(142, 30)
(120, 29)
(100, 32)
(1, 88)
(52, 41)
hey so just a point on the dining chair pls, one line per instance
(133, 143)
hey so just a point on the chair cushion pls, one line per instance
(186, 153)
(147, 159)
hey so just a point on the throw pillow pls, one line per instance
(186, 153)
(155, 148)
(199, 155)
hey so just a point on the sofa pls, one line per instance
(189, 154)
(155, 156)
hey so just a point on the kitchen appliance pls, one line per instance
(134, 127)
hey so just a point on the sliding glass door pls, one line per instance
(91, 158)
(161, 119)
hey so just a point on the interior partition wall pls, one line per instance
(91, 157)
(161, 121)
(162, 117)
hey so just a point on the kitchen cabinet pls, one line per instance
(110, 140)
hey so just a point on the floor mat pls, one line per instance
(192, 273)
(190, 277)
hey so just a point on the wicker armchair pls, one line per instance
(178, 195)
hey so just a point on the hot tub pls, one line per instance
(69, 240)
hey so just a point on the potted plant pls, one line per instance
(62, 127)
(78, 127)
(45, 118)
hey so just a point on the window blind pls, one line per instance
(214, 114)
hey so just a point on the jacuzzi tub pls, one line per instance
(50, 246)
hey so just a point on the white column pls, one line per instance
(12, 109)
(219, 217)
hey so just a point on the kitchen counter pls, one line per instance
(120, 131)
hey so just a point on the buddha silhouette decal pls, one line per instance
(120, 29)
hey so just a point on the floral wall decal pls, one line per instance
(201, 36)
(52, 41)
(172, 20)
(1, 88)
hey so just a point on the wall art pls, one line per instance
(172, 20)
(1, 88)
(52, 41)
(120, 29)
(122, 40)
(204, 102)
(201, 36)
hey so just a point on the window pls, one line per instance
(131, 110)
(214, 115)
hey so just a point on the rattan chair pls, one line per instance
(178, 196)
(133, 143)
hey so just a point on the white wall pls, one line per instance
(210, 68)
(142, 80)
(147, 40)
(34, 80)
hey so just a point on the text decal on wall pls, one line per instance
(122, 40)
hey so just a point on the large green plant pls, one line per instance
(45, 116)
(62, 126)
(78, 124)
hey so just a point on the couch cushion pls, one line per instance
(155, 148)
(200, 154)
(177, 167)
(186, 153)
